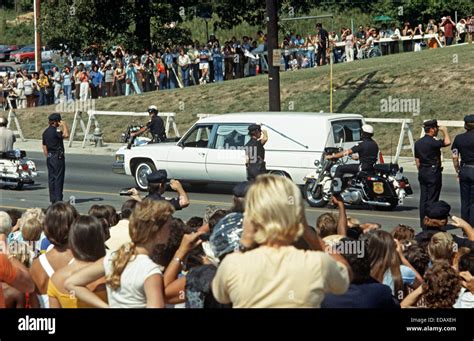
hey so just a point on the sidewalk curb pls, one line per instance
(32, 145)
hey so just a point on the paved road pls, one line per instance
(89, 180)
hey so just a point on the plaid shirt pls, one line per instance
(470, 27)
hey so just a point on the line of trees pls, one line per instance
(140, 24)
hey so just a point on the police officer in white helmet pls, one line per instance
(367, 150)
(155, 126)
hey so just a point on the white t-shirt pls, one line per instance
(349, 39)
(131, 293)
(465, 299)
(28, 85)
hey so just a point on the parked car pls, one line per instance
(212, 151)
(5, 52)
(13, 54)
(30, 68)
(6, 70)
(25, 55)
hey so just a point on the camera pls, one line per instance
(125, 192)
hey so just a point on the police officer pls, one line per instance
(428, 162)
(53, 149)
(463, 147)
(156, 187)
(368, 151)
(155, 126)
(255, 153)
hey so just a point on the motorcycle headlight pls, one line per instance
(317, 163)
(120, 158)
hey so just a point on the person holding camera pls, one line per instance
(156, 187)
(53, 149)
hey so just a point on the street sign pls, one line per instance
(276, 57)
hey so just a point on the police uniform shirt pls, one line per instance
(252, 146)
(368, 151)
(53, 139)
(464, 145)
(174, 202)
(156, 126)
(428, 151)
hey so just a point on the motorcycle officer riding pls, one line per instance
(155, 126)
(368, 152)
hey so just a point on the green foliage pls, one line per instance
(82, 24)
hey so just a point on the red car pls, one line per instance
(25, 55)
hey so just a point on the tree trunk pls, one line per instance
(142, 22)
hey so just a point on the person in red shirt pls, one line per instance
(449, 27)
(14, 274)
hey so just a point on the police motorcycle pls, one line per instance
(385, 188)
(16, 170)
(135, 141)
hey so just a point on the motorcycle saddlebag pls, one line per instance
(377, 187)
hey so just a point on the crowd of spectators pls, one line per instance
(261, 253)
(122, 72)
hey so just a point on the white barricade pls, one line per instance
(86, 129)
(405, 130)
(12, 118)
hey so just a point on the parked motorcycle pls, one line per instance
(384, 189)
(16, 169)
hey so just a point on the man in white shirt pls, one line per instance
(7, 137)
(184, 62)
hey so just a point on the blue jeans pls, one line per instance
(67, 93)
(311, 57)
(163, 81)
(135, 87)
(218, 75)
(43, 98)
(185, 76)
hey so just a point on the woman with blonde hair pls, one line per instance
(133, 279)
(442, 247)
(30, 228)
(274, 274)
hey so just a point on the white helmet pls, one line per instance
(152, 109)
(366, 128)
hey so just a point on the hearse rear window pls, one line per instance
(347, 130)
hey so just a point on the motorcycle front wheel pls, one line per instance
(314, 194)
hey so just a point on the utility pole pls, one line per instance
(37, 14)
(272, 44)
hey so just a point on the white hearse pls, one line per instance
(212, 150)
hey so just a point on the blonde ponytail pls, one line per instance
(119, 263)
